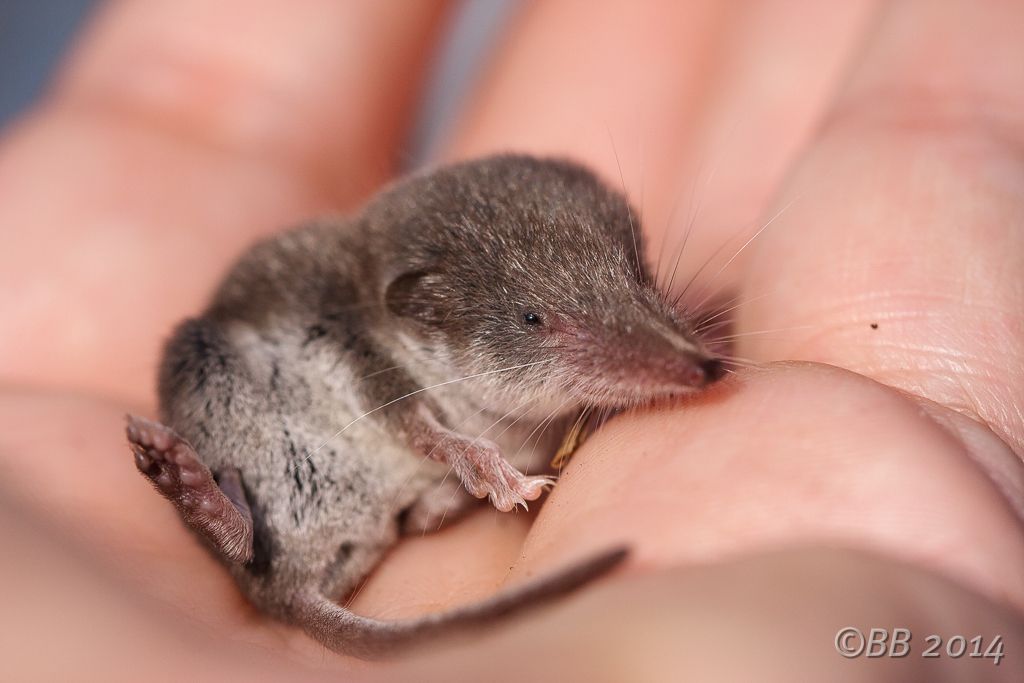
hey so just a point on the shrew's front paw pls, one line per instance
(484, 472)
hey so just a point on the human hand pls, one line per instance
(172, 143)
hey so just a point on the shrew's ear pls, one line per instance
(420, 296)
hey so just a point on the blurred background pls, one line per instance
(34, 34)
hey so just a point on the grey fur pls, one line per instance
(434, 281)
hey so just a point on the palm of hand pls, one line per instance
(899, 260)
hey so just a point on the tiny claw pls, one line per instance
(142, 461)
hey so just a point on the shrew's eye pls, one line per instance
(531, 318)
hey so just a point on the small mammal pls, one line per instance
(355, 379)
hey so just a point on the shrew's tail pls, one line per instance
(343, 631)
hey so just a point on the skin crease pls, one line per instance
(895, 127)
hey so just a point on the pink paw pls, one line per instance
(177, 472)
(484, 472)
(170, 463)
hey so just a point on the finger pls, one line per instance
(112, 628)
(181, 132)
(477, 554)
(786, 455)
(902, 257)
(763, 617)
(66, 459)
(766, 617)
(696, 108)
(322, 89)
(660, 621)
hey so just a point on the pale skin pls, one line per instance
(891, 132)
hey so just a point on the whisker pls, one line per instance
(508, 427)
(629, 211)
(689, 283)
(380, 372)
(759, 332)
(447, 507)
(704, 323)
(694, 214)
(739, 360)
(746, 244)
(357, 591)
(543, 424)
(730, 132)
(664, 237)
(643, 188)
(704, 329)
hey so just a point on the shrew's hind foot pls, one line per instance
(218, 513)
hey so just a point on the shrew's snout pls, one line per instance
(693, 371)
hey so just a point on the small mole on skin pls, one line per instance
(874, 326)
